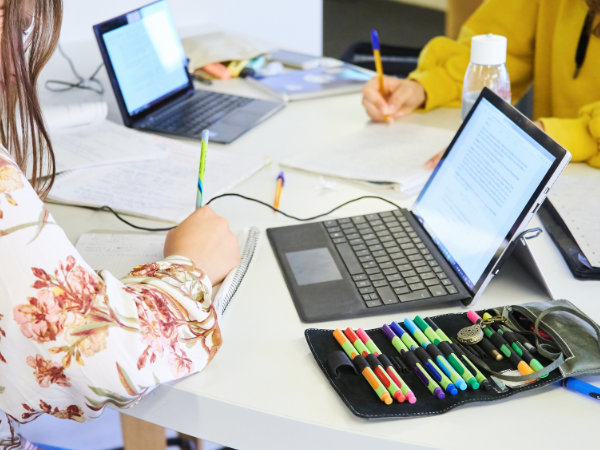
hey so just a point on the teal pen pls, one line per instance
(435, 353)
(202, 168)
(448, 352)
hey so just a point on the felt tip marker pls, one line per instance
(501, 344)
(381, 373)
(466, 375)
(435, 353)
(387, 364)
(363, 367)
(434, 370)
(412, 361)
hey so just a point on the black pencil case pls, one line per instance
(570, 346)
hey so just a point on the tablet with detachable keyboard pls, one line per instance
(147, 67)
(492, 178)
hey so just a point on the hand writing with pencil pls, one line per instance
(400, 99)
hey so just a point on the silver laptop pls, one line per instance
(148, 72)
(492, 178)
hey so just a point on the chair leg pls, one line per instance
(195, 440)
(141, 435)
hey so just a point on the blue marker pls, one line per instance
(582, 387)
(435, 353)
(437, 374)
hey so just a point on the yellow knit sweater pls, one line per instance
(542, 40)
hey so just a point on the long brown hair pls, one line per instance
(22, 130)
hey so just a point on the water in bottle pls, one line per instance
(486, 69)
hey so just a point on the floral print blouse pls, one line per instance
(73, 340)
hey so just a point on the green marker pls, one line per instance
(448, 352)
(481, 379)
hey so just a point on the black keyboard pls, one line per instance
(387, 260)
(196, 112)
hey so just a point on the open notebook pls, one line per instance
(120, 252)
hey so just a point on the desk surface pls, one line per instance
(278, 398)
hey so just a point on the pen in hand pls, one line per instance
(280, 182)
(202, 168)
(378, 66)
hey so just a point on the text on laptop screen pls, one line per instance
(147, 57)
(475, 196)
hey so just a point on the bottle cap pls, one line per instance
(488, 49)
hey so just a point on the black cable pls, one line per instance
(90, 84)
(251, 199)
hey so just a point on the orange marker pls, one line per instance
(363, 367)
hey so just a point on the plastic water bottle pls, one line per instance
(486, 69)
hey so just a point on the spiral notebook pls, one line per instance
(120, 252)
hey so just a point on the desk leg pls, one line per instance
(141, 435)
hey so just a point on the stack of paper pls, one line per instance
(389, 154)
(160, 188)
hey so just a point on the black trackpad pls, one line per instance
(313, 266)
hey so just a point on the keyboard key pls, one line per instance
(428, 275)
(356, 241)
(359, 277)
(333, 229)
(387, 295)
(382, 259)
(438, 290)
(409, 273)
(431, 282)
(390, 271)
(380, 254)
(365, 258)
(394, 277)
(411, 280)
(416, 295)
(349, 259)
(359, 219)
(375, 247)
(423, 269)
(386, 265)
(339, 240)
(352, 236)
(336, 234)
(368, 236)
(451, 290)
(446, 282)
(401, 290)
(372, 243)
(376, 276)
(363, 283)
(416, 286)
(359, 247)
(369, 264)
(380, 283)
(397, 283)
(366, 290)
(373, 303)
(373, 270)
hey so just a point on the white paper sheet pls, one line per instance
(380, 153)
(576, 200)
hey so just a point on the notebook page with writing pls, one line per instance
(163, 188)
(575, 199)
(378, 153)
(82, 137)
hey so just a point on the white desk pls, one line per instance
(264, 390)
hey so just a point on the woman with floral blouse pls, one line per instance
(73, 340)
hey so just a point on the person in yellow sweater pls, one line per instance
(554, 44)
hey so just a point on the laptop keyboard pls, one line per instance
(197, 112)
(387, 260)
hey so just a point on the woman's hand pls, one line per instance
(402, 98)
(205, 238)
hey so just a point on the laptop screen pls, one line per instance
(147, 56)
(475, 199)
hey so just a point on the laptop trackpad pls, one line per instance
(313, 266)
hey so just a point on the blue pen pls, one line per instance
(437, 374)
(582, 387)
